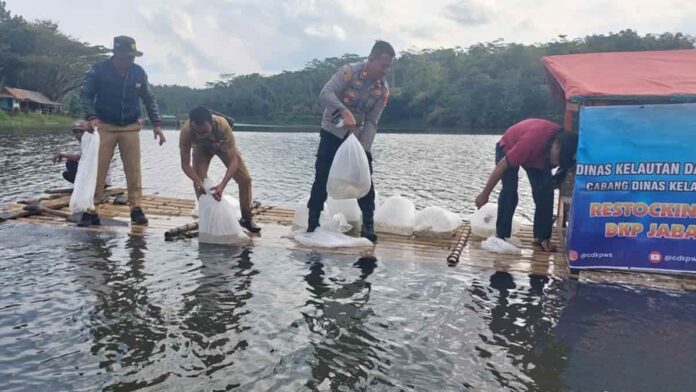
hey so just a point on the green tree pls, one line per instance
(484, 87)
(37, 56)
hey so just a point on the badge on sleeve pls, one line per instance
(347, 73)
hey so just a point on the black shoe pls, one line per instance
(249, 225)
(368, 231)
(313, 221)
(368, 227)
(88, 219)
(138, 217)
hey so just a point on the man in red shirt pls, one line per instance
(538, 146)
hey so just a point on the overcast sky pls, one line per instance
(189, 42)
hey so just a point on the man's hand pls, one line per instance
(349, 122)
(200, 189)
(482, 199)
(93, 124)
(216, 192)
(58, 157)
(160, 134)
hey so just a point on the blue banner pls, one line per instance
(634, 201)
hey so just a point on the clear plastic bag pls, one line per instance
(396, 216)
(436, 222)
(335, 222)
(301, 217)
(218, 221)
(322, 238)
(483, 221)
(349, 177)
(82, 198)
(348, 207)
(497, 245)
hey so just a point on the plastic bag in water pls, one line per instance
(82, 198)
(436, 222)
(497, 245)
(322, 238)
(349, 177)
(483, 221)
(396, 216)
(218, 221)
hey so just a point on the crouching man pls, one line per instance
(203, 136)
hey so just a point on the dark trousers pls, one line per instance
(70, 171)
(328, 145)
(542, 192)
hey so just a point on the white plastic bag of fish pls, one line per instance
(349, 177)
(324, 238)
(396, 216)
(218, 221)
(348, 207)
(328, 220)
(436, 222)
(82, 198)
(483, 221)
(497, 245)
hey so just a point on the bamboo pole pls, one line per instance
(171, 234)
(453, 258)
(36, 200)
(69, 191)
(14, 214)
(38, 208)
(52, 203)
(58, 191)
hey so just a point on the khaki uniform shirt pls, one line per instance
(350, 89)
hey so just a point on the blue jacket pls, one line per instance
(115, 99)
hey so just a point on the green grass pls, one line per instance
(32, 120)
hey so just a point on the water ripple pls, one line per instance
(97, 311)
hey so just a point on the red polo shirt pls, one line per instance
(525, 143)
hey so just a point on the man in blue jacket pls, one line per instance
(111, 96)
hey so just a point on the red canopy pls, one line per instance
(622, 74)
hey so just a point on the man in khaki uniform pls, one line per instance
(208, 135)
(111, 96)
(353, 99)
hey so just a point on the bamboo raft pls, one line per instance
(172, 218)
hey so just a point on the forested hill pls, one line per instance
(483, 87)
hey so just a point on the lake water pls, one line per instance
(97, 311)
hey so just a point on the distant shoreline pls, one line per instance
(406, 129)
(60, 123)
(33, 121)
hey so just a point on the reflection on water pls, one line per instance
(521, 323)
(86, 311)
(344, 351)
(96, 311)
